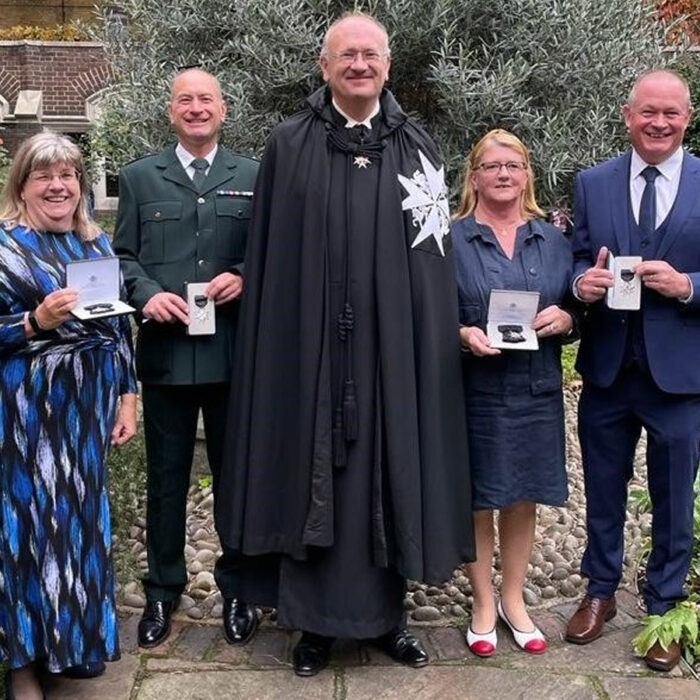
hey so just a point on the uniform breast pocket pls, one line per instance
(232, 219)
(157, 220)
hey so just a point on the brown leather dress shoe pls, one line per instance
(661, 659)
(587, 622)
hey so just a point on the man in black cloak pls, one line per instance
(348, 454)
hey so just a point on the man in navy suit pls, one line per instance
(640, 369)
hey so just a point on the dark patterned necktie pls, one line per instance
(647, 208)
(358, 134)
(200, 166)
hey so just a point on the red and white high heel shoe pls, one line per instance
(532, 642)
(483, 645)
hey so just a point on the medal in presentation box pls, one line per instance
(510, 317)
(200, 309)
(626, 292)
(97, 282)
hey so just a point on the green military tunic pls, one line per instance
(169, 234)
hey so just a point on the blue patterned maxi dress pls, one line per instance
(58, 397)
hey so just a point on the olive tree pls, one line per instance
(556, 72)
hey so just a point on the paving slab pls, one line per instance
(463, 683)
(270, 648)
(115, 684)
(128, 633)
(651, 688)
(158, 664)
(257, 685)
(612, 653)
(449, 644)
(226, 653)
(552, 624)
(196, 640)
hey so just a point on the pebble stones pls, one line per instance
(559, 543)
(553, 573)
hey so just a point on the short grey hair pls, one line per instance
(632, 97)
(354, 15)
(201, 71)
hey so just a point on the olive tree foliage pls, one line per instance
(556, 72)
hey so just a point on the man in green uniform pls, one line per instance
(183, 218)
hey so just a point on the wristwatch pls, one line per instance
(34, 323)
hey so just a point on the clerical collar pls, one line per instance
(186, 158)
(668, 168)
(350, 122)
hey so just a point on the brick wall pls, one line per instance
(67, 73)
(44, 12)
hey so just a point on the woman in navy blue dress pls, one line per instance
(68, 390)
(514, 402)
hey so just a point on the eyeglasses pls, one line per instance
(368, 56)
(512, 166)
(44, 176)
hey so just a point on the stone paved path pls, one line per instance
(196, 664)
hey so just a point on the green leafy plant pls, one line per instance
(679, 624)
(58, 32)
(568, 362)
(554, 71)
(127, 491)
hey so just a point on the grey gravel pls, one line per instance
(553, 573)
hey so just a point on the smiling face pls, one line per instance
(657, 116)
(197, 110)
(504, 186)
(355, 64)
(51, 196)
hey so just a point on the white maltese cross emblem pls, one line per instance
(361, 162)
(427, 200)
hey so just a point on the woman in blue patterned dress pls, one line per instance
(68, 390)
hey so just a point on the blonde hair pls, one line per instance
(498, 137)
(42, 150)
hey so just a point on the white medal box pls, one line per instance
(626, 292)
(510, 317)
(97, 282)
(201, 310)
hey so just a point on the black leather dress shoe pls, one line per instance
(403, 647)
(311, 654)
(89, 670)
(240, 621)
(154, 625)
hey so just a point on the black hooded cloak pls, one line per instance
(293, 426)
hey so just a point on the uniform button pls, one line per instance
(201, 200)
(533, 271)
(201, 263)
(240, 212)
(196, 233)
(157, 215)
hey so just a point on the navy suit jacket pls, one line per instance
(671, 328)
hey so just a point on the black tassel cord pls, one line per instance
(345, 415)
